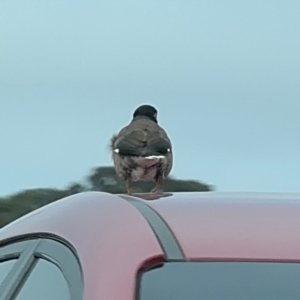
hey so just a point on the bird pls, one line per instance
(142, 150)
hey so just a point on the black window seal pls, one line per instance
(12, 250)
(36, 235)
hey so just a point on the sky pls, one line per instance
(224, 76)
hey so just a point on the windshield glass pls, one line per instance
(221, 281)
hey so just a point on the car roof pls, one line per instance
(120, 234)
(206, 225)
(226, 226)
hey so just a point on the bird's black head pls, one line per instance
(147, 111)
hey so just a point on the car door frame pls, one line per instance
(28, 251)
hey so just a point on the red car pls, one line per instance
(183, 246)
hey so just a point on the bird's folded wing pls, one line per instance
(141, 142)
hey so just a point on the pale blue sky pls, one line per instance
(224, 75)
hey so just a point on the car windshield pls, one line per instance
(221, 281)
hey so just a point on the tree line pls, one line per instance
(101, 179)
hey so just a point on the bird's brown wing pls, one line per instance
(142, 138)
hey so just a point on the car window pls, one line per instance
(46, 282)
(222, 280)
(5, 267)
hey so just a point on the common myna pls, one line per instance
(142, 151)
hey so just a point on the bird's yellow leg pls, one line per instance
(128, 187)
(158, 185)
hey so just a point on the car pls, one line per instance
(178, 246)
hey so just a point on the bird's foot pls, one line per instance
(157, 186)
(154, 191)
